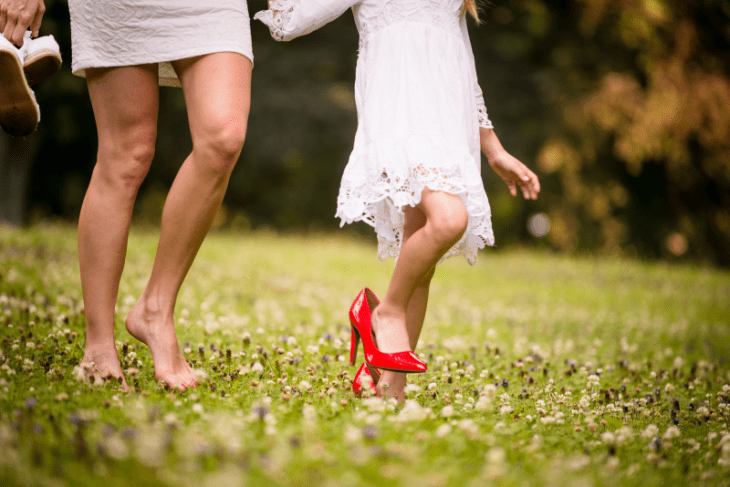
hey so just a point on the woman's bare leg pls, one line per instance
(217, 91)
(427, 236)
(125, 102)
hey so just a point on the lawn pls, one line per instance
(543, 370)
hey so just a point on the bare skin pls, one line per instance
(16, 16)
(399, 318)
(217, 95)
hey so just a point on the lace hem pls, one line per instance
(276, 23)
(484, 121)
(380, 202)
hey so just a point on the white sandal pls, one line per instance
(19, 112)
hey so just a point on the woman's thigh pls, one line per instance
(217, 90)
(125, 102)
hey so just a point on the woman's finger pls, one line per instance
(36, 24)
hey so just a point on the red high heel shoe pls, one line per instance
(365, 380)
(360, 316)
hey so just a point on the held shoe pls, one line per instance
(41, 57)
(365, 380)
(360, 319)
(19, 112)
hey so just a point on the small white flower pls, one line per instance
(197, 408)
(443, 430)
(672, 432)
(506, 409)
(304, 385)
(650, 432)
(447, 411)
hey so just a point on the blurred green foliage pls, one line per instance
(622, 107)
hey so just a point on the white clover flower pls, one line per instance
(432, 386)
(257, 367)
(447, 411)
(469, 427)
(197, 408)
(483, 404)
(650, 432)
(672, 432)
(669, 387)
(547, 420)
(504, 398)
(624, 435)
(678, 362)
(352, 434)
(412, 412)
(652, 375)
(29, 345)
(506, 409)
(305, 385)
(608, 438)
(443, 430)
(490, 391)
(412, 388)
(495, 456)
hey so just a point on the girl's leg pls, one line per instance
(125, 102)
(441, 224)
(217, 91)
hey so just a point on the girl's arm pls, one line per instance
(288, 19)
(512, 171)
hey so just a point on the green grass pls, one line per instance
(543, 370)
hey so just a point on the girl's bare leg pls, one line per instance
(445, 222)
(125, 102)
(217, 91)
(414, 220)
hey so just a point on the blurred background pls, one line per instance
(622, 107)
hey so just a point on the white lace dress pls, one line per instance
(113, 33)
(419, 111)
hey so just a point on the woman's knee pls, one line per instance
(220, 144)
(123, 164)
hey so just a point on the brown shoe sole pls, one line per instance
(18, 112)
(40, 65)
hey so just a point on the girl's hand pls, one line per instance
(512, 171)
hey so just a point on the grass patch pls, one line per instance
(543, 370)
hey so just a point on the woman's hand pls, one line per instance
(512, 171)
(16, 16)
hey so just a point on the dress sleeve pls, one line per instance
(288, 19)
(484, 121)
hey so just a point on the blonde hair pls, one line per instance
(470, 6)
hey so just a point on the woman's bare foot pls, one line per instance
(390, 332)
(100, 366)
(157, 331)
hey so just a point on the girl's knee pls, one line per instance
(450, 223)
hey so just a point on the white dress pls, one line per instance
(113, 33)
(419, 110)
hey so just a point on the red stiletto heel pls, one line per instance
(365, 380)
(360, 319)
(354, 344)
